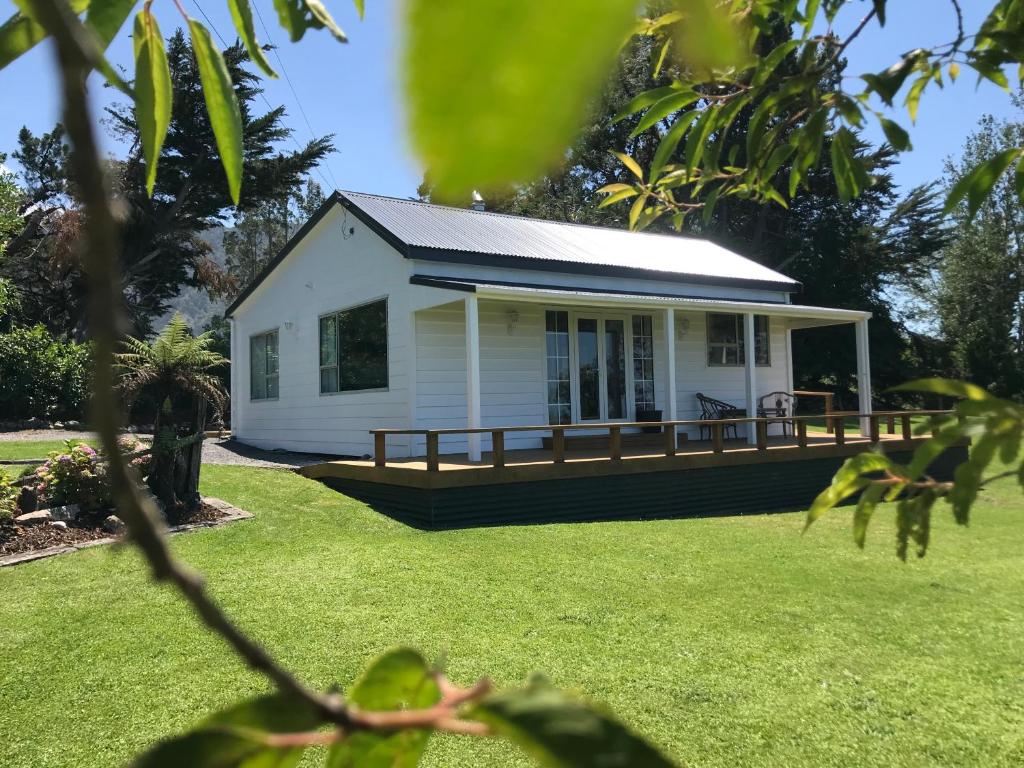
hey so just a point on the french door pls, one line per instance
(602, 389)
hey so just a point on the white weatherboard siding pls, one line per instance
(512, 383)
(326, 272)
(726, 383)
(512, 377)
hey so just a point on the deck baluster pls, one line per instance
(717, 443)
(615, 443)
(839, 428)
(380, 456)
(498, 448)
(891, 423)
(761, 428)
(558, 445)
(905, 426)
(801, 433)
(873, 435)
(433, 452)
(669, 433)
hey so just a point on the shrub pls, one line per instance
(76, 475)
(8, 499)
(43, 377)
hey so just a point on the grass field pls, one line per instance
(730, 641)
(28, 449)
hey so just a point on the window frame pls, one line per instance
(740, 341)
(267, 376)
(337, 366)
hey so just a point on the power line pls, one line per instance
(263, 96)
(284, 71)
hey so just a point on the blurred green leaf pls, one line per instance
(106, 17)
(398, 679)
(865, 509)
(152, 92)
(977, 184)
(850, 175)
(847, 481)
(297, 16)
(557, 729)
(949, 387)
(241, 15)
(642, 101)
(235, 737)
(896, 136)
(18, 35)
(670, 141)
(221, 104)
(475, 89)
(663, 108)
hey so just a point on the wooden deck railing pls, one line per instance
(669, 430)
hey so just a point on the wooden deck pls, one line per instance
(456, 470)
(617, 480)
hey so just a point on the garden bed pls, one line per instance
(22, 544)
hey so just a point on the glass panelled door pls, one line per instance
(602, 385)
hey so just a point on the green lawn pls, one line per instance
(28, 449)
(730, 641)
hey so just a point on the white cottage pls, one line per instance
(384, 313)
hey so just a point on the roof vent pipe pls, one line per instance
(478, 202)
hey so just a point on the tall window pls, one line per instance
(643, 362)
(556, 336)
(354, 348)
(725, 339)
(263, 366)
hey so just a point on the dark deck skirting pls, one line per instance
(751, 488)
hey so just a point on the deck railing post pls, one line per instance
(717, 443)
(873, 429)
(433, 452)
(801, 433)
(669, 433)
(557, 445)
(380, 457)
(891, 423)
(905, 427)
(615, 443)
(840, 431)
(829, 424)
(762, 434)
(498, 448)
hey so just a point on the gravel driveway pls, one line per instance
(215, 451)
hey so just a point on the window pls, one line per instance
(643, 363)
(556, 337)
(354, 348)
(263, 365)
(725, 340)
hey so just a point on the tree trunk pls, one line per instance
(177, 457)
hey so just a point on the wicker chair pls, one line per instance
(777, 405)
(711, 410)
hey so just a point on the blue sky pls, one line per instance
(353, 90)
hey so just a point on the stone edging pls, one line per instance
(231, 515)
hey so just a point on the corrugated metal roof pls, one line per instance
(442, 228)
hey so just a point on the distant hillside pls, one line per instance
(195, 305)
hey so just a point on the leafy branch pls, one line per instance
(788, 79)
(994, 427)
(390, 712)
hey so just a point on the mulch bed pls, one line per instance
(15, 539)
(21, 544)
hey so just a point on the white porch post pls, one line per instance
(670, 371)
(863, 373)
(750, 371)
(473, 374)
(670, 364)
